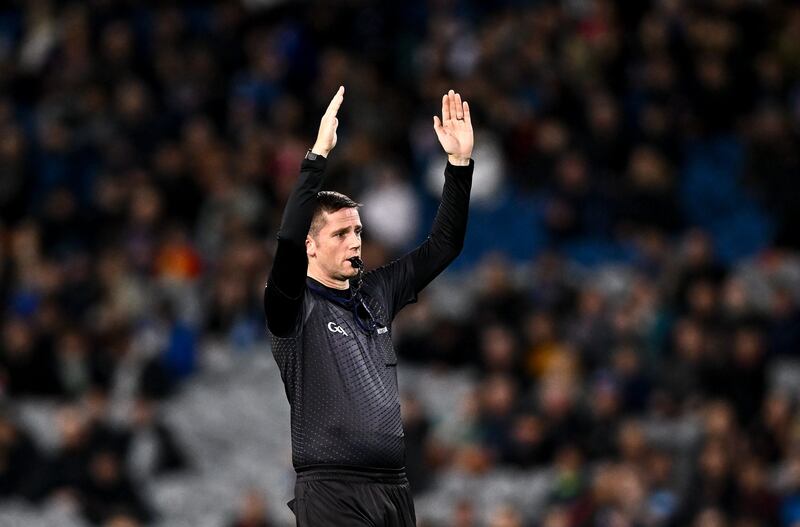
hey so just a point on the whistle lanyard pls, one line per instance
(351, 304)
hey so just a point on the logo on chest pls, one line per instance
(333, 328)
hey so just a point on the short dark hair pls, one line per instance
(329, 201)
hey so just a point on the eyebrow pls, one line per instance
(345, 229)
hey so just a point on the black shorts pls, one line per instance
(329, 496)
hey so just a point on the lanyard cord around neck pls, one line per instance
(352, 303)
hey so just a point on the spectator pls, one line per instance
(505, 516)
(252, 511)
(108, 492)
(416, 427)
(463, 515)
(154, 450)
(19, 458)
(65, 471)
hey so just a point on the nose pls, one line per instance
(355, 241)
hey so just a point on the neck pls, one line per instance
(327, 281)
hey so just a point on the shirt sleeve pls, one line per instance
(283, 295)
(405, 277)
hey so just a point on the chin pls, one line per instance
(346, 274)
(350, 273)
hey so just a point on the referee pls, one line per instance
(330, 324)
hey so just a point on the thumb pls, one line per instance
(437, 126)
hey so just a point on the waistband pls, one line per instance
(351, 473)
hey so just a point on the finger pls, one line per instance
(445, 108)
(336, 102)
(451, 97)
(467, 117)
(459, 107)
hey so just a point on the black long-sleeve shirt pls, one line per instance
(340, 376)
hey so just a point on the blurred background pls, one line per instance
(618, 344)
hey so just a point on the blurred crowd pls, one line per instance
(630, 258)
(651, 401)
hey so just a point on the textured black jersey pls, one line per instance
(340, 376)
(341, 380)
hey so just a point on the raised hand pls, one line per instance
(454, 130)
(326, 137)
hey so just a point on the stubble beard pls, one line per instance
(347, 275)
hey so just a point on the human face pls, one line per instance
(338, 240)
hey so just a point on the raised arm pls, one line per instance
(408, 275)
(446, 239)
(283, 296)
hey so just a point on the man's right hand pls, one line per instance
(326, 137)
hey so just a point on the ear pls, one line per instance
(311, 247)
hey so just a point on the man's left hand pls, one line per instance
(454, 129)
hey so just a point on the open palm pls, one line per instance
(326, 137)
(454, 129)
